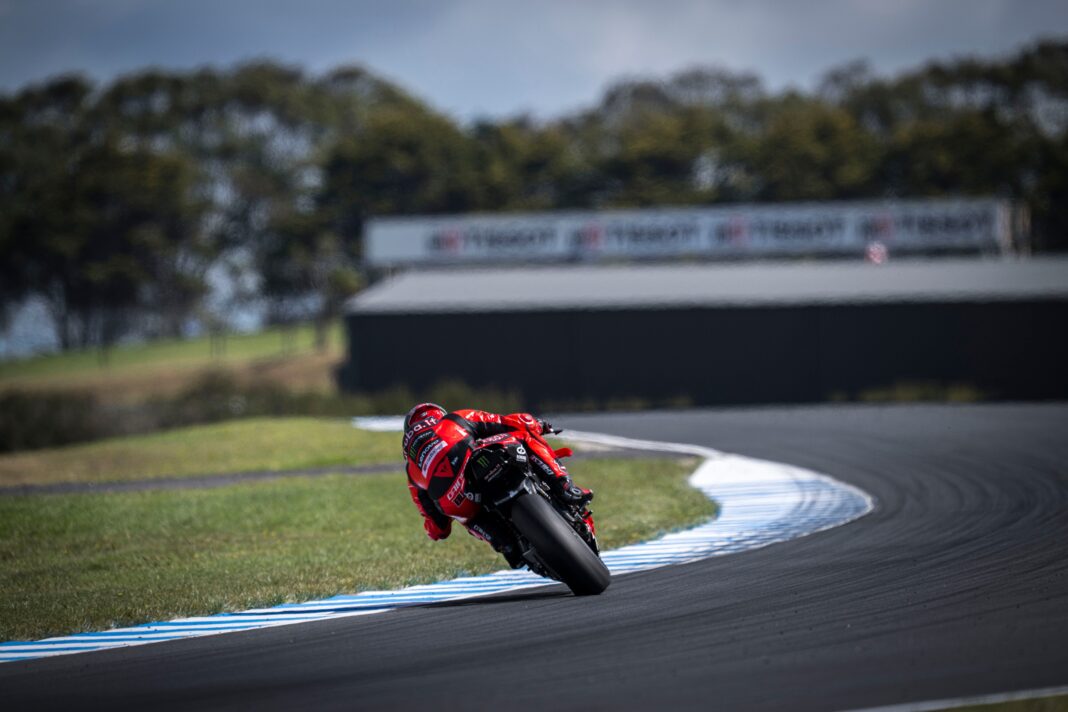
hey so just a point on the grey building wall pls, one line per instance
(720, 355)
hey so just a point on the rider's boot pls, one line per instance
(555, 474)
(571, 493)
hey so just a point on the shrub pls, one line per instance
(31, 420)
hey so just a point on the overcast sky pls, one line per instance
(502, 57)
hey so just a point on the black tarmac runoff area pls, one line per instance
(956, 585)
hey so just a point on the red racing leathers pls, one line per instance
(436, 452)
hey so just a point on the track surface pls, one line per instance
(956, 585)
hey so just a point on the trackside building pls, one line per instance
(720, 333)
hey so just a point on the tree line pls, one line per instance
(127, 207)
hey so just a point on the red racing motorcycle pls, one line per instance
(557, 539)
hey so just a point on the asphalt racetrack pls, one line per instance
(956, 585)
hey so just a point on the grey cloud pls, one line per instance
(497, 57)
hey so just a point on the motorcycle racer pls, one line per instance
(437, 448)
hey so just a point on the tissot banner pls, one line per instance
(735, 231)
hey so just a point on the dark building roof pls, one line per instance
(712, 285)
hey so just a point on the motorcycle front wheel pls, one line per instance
(559, 547)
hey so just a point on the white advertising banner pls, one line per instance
(734, 231)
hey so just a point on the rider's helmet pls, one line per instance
(422, 412)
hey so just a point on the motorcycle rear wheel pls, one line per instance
(559, 547)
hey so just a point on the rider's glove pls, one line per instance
(548, 429)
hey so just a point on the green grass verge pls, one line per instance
(165, 354)
(235, 446)
(1058, 703)
(88, 562)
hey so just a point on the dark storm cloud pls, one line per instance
(504, 56)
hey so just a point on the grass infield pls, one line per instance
(84, 562)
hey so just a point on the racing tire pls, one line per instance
(559, 547)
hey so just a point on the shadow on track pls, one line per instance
(516, 597)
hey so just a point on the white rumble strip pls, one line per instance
(760, 503)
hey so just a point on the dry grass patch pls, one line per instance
(235, 446)
(136, 372)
